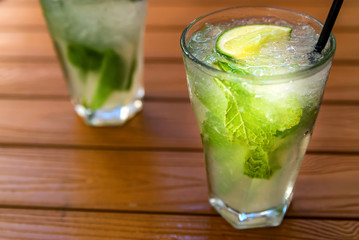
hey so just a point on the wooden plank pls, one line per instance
(337, 128)
(158, 182)
(182, 16)
(117, 180)
(157, 126)
(158, 45)
(322, 185)
(162, 80)
(176, 16)
(50, 225)
(45, 79)
(343, 84)
(229, 3)
(21, 44)
(321, 3)
(161, 125)
(32, 79)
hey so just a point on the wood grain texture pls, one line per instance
(51, 225)
(158, 182)
(321, 3)
(161, 125)
(32, 79)
(343, 84)
(291, 4)
(45, 79)
(162, 80)
(27, 17)
(158, 45)
(320, 177)
(117, 180)
(182, 16)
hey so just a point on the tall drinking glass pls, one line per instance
(99, 45)
(255, 120)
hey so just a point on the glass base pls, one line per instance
(240, 220)
(113, 117)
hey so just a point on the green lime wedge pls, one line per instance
(244, 42)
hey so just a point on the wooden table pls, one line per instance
(60, 179)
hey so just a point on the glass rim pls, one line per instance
(285, 76)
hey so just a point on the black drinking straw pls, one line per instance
(328, 26)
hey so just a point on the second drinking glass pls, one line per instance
(99, 45)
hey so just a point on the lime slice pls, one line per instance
(244, 42)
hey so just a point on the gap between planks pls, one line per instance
(145, 149)
(146, 99)
(198, 214)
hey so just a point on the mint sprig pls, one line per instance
(255, 123)
(244, 126)
(112, 77)
(113, 71)
(83, 57)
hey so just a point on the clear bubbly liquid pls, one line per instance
(226, 158)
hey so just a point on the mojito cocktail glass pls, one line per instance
(256, 97)
(99, 46)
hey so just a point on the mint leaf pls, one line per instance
(112, 75)
(254, 122)
(257, 164)
(242, 122)
(85, 58)
(214, 132)
(308, 117)
(230, 67)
